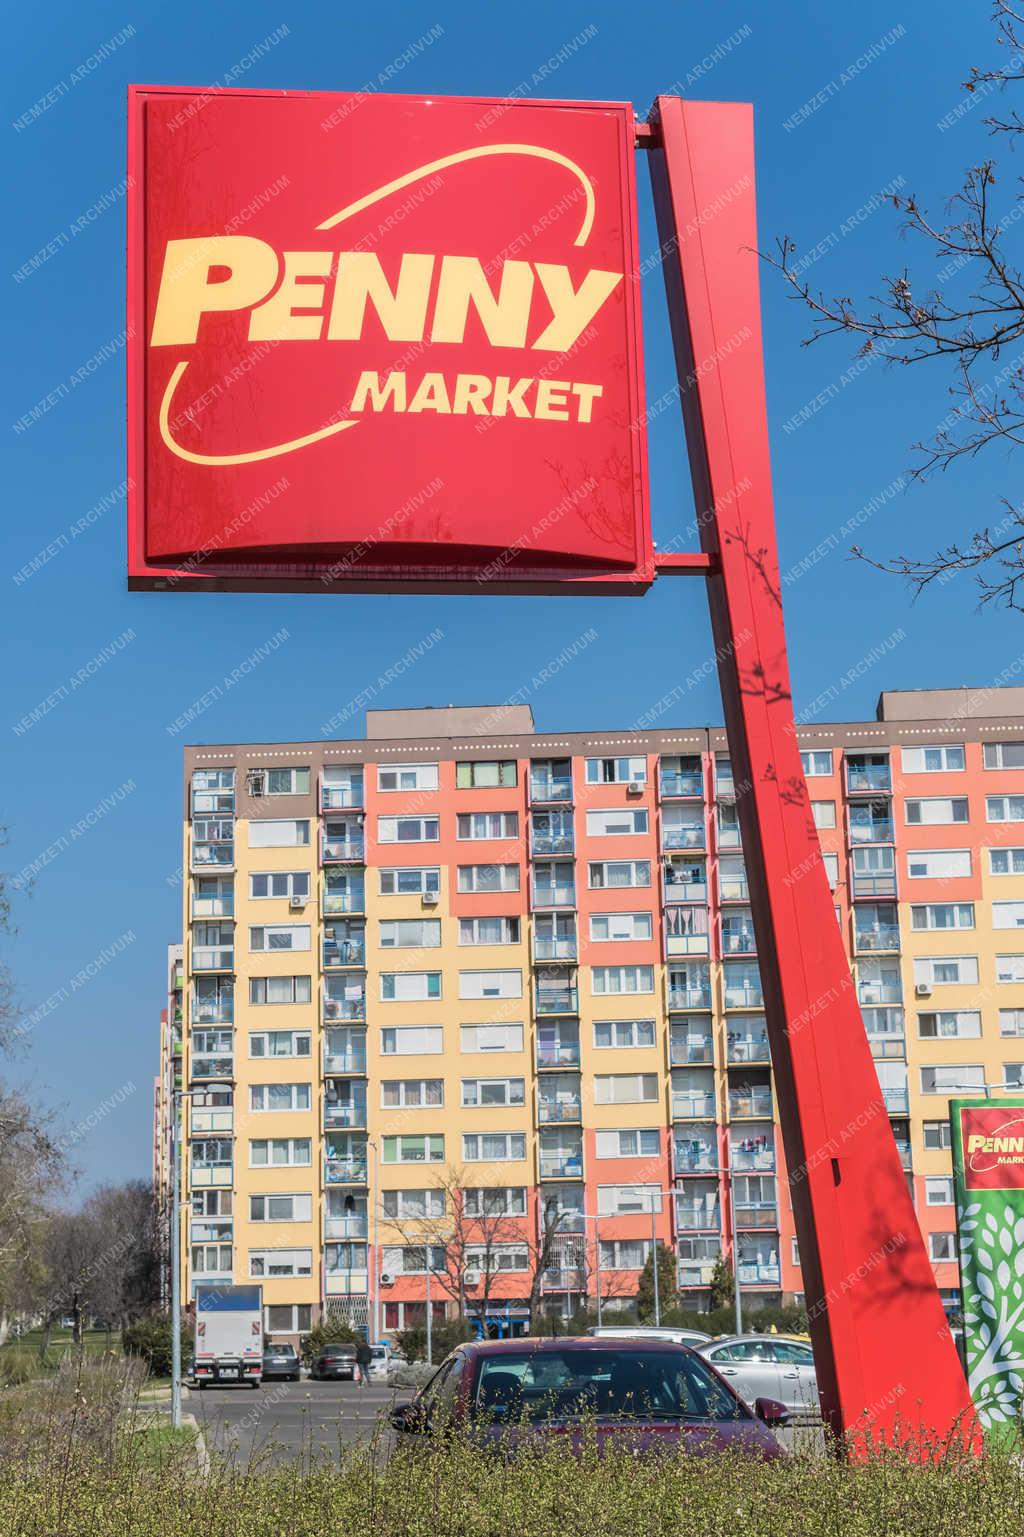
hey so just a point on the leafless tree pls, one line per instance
(913, 319)
(31, 1173)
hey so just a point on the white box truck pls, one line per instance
(229, 1335)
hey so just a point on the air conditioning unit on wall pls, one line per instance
(430, 899)
(634, 789)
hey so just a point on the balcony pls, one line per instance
(906, 1155)
(689, 987)
(689, 1106)
(550, 789)
(745, 1049)
(693, 1274)
(352, 1007)
(681, 783)
(732, 884)
(691, 1050)
(556, 998)
(203, 1176)
(738, 938)
(685, 881)
(875, 936)
(342, 1062)
(752, 1214)
(345, 1283)
(559, 1054)
(751, 1160)
(561, 1111)
(888, 1048)
(745, 994)
(759, 1273)
(748, 1103)
(878, 884)
(561, 1165)
(344, 1171)
(341, 797)
(210, 1067)
(356, 1226)
(694, 1156)
(340, 851)
(554, 893)
(554, 947)
(683, 836)
(338, 902)
(687, 931)
(873, 991)
(218, 1118)
(214, 1011)
(697, 1216)
(345, 1115)
(863, 778)
(871, 823)
(344, 952)
(896, 1101)
(213, 957)
(546, 845)
(207, 856)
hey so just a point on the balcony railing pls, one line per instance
(202, 1175)
(556, 894)
(684, 891)
(868, 776)
(691, 1050)
(757, 1214)
(209, 907)
(738, 941)
(551, 1111)
(206, 854)
(906, 1155)
(882, 884)
(880, 936)
(554, 949)
(335, 851)
(758, 1273)
(566, 1054)
(210, 1067)
(690, 1160)
(548, 788)
(682, 837)
(896, 1101)
(757, 1103)
(563, 1000)
(213, 958)
(340, 797)
(345, 1062)
(561, 1165)
(344, 1171)
(344, 952)
(743, 995)
(694, 1273)
(216, 1119)
(681, 782)
(543, 845)
(697, 1215)
(341, 1116)
(872, 992)
(344, 1008)
(734, 888)
(335, 902)
(888, 1048)
(220, 1013)
(346, 1227)
(693, 1107)
(741, 1049)
(689, 997)
(881, 831)
(747, 1160)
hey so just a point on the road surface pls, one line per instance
(289, 1421)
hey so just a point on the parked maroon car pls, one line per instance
(643, 1395)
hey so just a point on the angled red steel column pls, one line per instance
(883, 1349)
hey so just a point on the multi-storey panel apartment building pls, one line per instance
(460, 978)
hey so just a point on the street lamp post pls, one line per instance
(375, 1201)
(654, 1263)
(737, 1299)
(180, 1095)
(430, 1316)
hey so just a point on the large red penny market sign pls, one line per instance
(376, 338)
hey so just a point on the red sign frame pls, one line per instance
(400, 497)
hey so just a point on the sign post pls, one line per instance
(988, 1176)
(393, 344)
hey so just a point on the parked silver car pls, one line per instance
(648, 1332)
(767, 1366)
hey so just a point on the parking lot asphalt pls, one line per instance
(292, 1421)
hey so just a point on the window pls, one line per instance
(938, 1190)
(831, 863)
(290, 883)
(213, 896)
(412, 1259)
(623, 1032)
(482, 1093)
(952, 1079)
(494, 1201)
(279, 1043)
(288, 1318)
(211, 1152)
(412, 1205)
(1010, 968)
(495, 1257)
(487, 824)
(1011, 1022)
(937, 1136)
(488, 877)
(945, 970)
(1002, 755)
(211, 1259)
(824, 813)
(494, 1147)
(619, 872)
(413, 881)
(279, 1096)
(625, 1088)
(488, 931)
(409, 986)
(407, 829)
(280, 1262)
(642, 1143)
(278, 835)
(280, 1152)
(279, 990)
(279, 936)
(410, 933)
(491, 1038)
(409, 1149)
(1006, 861)
(938, 864)
(412, 1041)
(627, 1200)
(943, 915)
(941, 1247)
(816, 764)
(616, 771)
(932, 760)
(1004, 808)
(411, 776)
(286, 781)
(213, 789)
(621, 979)
(613, 926)
(602, 824)
(411, 1093)
(624, 1253)
(280, 1208)
(936, 810)
(950, 1025)
(483, 776)
(1008, 915)
(490, 984)
(1013, 1076)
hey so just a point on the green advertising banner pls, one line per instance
(988, 1172)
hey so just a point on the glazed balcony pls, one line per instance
(871, 822)
(864, 777)
(753, 1153)
(758, 1273)
(687, 930)
(756, 1214)
(742, 992)
(896, 1100)
(340, 952)
(558, 1053)
(350, 1226)
(743, 1047)
(550, 789)
(345, 1113)
(342, 796)
(869, 937)
(753, 1103)
(738, 933)
(690, 989)
(682, 835)
(553, 893)
(697, 1216)
(691, 1048)
(563, 1110)
(350, 900)
(693, 1274)
(206, 1066)
(344, 1171)
(681, 779)
(219, 855)
(343, 1003)
(685, 880)
(213, 958)
(352, 1062)
(693, 1105)
(340, 851)
(694, 1155)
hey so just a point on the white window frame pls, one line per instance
(468, 877)
(912, 759)
(429, 829)
(392, 932)
(938, 1190)
(992, 755)
(490, 983)
(260, 833)
(625, 770)
(281, 1056)
(1011, 912)
(297, 991)
(510, 930)
(928, 910)
(942, 1248)
(398, 1037)
(466, 824)
(823, 814)
(601, 824)
(300, 935)
(301, 1261)
(259, 1091)
(811, 762)
(601, 976)
(487, 1205)
(293, 789)
(421, 776)
(624, 922)
(410, 987)
(610, 1088)
(412, 1093)
(628, 1200)
(432, 1199)
(953, 1078)
(429, 880)
(1014, 857)
(962, 1021)
(293, 1145)
(304, 1213)
(924, 970)
(472, 1090)
(289, 876)
(633, 1044)
(608, 1142)
(514, 1142)
(936, 801)
(1010, 969)
(636, 867)
(433, 1147)
(938, 855)
(1004, 803)
(510, 1037)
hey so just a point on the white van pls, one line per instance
(649, 1332)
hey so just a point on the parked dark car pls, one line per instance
(334, 1361)
(281, 1361)
(644, 1395)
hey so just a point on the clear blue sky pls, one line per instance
(110, 890)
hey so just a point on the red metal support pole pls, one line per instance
(886, 1362)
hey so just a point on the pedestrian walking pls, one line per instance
(364, 1355)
